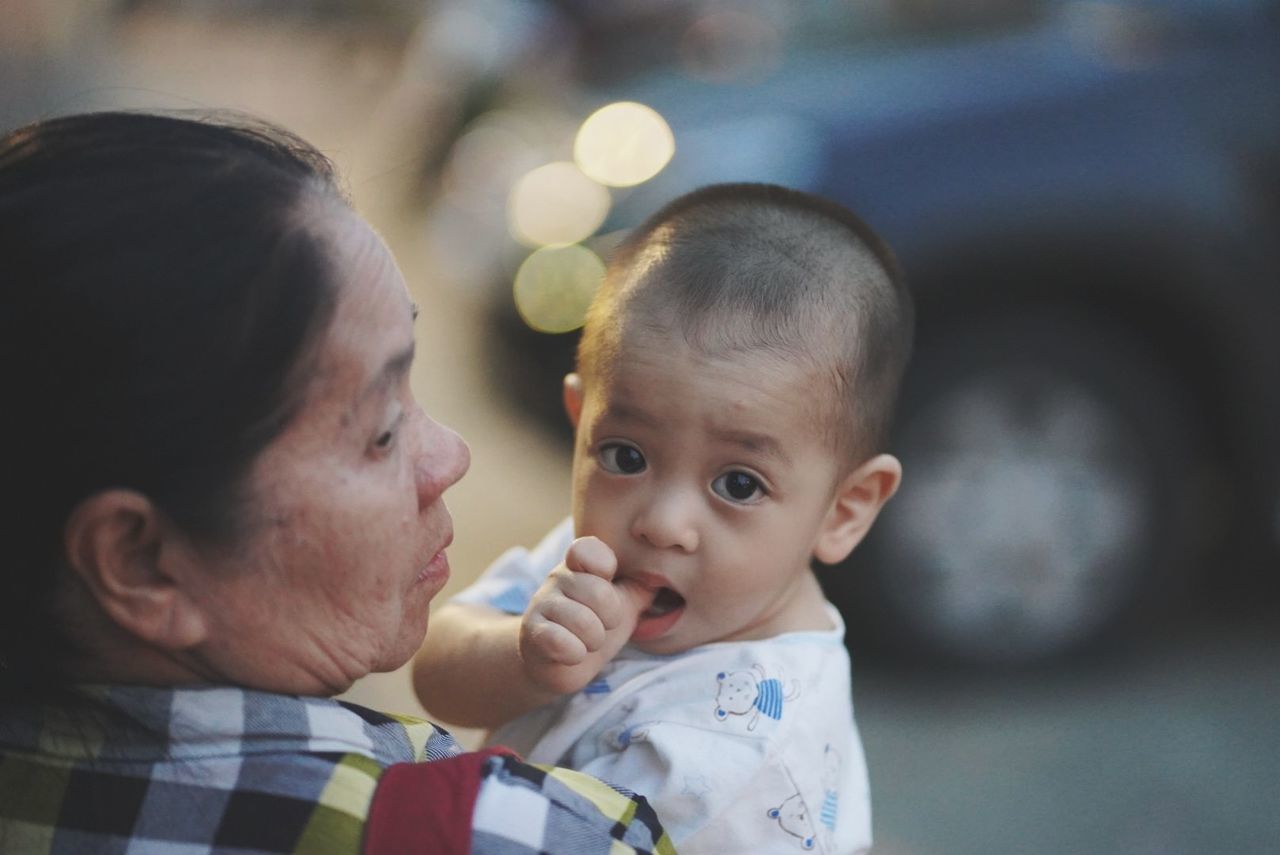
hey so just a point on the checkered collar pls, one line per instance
(147, 724)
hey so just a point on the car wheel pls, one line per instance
(1039, 506)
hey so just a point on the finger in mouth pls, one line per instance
(664, 602)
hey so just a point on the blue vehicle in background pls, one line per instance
(1086, 199)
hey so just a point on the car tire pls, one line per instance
(1041, 507)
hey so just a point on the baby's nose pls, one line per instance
(668, 521)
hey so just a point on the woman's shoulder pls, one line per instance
(201, 766)
(330, 777)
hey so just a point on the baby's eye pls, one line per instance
(621, 459)
(737, 486)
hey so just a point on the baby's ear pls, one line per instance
(573, 398)
(857, 502)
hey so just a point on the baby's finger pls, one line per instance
(592, 591)
(634, 596)
(591, 555)
(546, 642)
(628, 599)
(578, 619)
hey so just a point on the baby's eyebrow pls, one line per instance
(626, 413)
(756, 443)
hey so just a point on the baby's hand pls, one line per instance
(580, 618)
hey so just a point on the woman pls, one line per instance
(228, 508)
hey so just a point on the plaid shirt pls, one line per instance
(205, 770)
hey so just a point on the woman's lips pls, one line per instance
(438, 567)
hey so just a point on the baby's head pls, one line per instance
(736, 269)
(736, 379)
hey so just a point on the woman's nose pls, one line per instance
(440, 462)
(667, 521)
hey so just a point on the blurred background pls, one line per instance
(1064, 628)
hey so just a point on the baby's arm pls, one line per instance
(469, 672)
(480, 667)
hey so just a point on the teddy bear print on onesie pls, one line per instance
(752, 693)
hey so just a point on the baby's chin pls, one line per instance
(671, 644)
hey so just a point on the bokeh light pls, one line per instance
(486, 161)
(554, 287)
(623, 144)
(555, 205)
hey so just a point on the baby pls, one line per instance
(735, 381)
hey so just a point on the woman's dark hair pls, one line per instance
(159, 291)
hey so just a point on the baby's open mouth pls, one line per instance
(664, 602)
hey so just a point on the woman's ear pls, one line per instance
(858, 499)
(573, 398)
(132, 562)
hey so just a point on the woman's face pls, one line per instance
(348, 527)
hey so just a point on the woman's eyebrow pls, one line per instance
(396, 366)
(399, 363)
(388, 375)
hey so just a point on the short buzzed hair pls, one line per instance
(758, 267)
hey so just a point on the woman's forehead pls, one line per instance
(372, 323)
(365, 273)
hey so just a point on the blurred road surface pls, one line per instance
(1172, 748)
